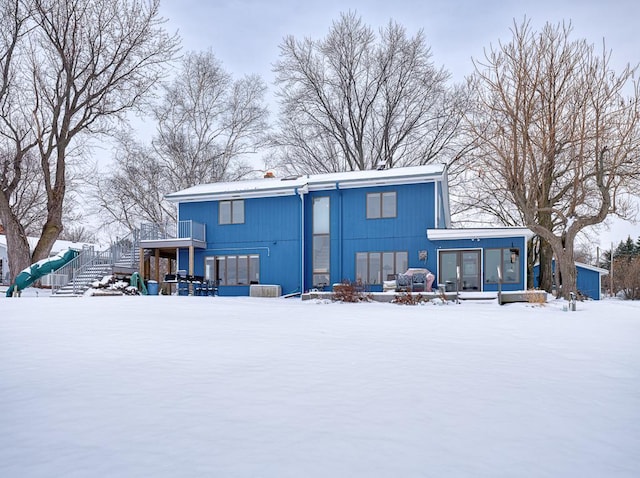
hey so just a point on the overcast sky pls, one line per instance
(245, 34)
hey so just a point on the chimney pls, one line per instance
(269, 174)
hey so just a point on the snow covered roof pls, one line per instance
(58, 246)
(268, 187)
(599, 270)
(478, 233)
(582, 265)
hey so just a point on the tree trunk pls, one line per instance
(55, 197)
(531, 260)
(18, 251)
(545, 254)
(545, 279)
(567, 269)
(50, 231)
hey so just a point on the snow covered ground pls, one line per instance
(244, 387)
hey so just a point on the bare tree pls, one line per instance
(207, 124)
(354, 100)
(69, 69)
(20, 183)
(557, 137)
(135, 188)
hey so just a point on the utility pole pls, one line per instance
(611, 271)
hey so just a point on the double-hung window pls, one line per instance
(231, 212)
(381, 205)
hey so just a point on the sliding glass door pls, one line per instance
(466, 263)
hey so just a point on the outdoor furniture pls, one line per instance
(183, 288)
(415, 280)
(389, 285)
(419, 282)
(200, 288)
(212, 287)
(403, 283)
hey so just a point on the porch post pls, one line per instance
(191, 260)
(141, 259)
(158, 266)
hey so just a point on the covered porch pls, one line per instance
(160, 244)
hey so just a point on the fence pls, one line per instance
(180, 230)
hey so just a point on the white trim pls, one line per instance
(603, 272)
(436, 203)
(484, 233)
(525, 266)
(322, 187)
(386, 182)
(301, 192)
(171, 243)
(445, 198)
(270, 187)
(230, 195)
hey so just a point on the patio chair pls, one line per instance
(403, 282)
(212, 287)
(419, 282)
(199, 288)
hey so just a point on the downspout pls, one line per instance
(525, 263)
(340, 245)
(436, 203)
(301, 192)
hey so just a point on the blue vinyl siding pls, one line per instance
(352, 232)
(588, 282)
(271, 230)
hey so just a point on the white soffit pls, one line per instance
(484, 233)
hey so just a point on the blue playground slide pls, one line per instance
(41, 268)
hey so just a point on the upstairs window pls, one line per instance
(231, 212)
(381, 205)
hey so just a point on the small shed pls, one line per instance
(588, 280)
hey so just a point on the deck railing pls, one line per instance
(124, 250)
(68, 273)
(182, 230)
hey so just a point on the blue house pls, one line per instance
(312, 231)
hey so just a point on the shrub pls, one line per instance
(536, 297)
(407, 298)
(627, 277)
(348, 291)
